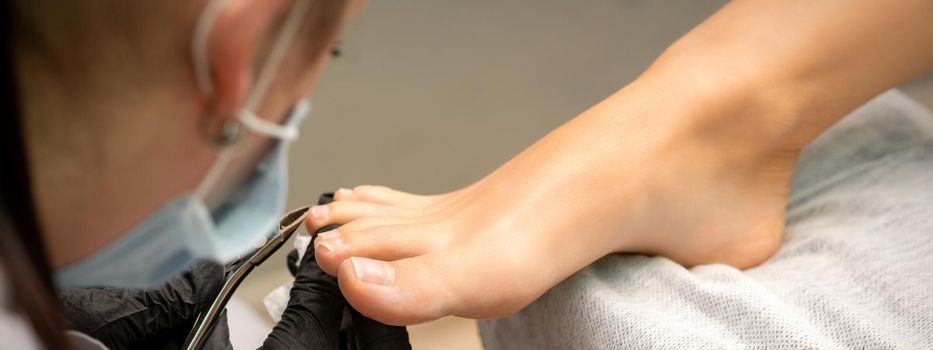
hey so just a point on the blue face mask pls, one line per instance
(184, 230)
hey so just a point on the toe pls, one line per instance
(401, 292)
(343, 194)
(365, 223)
(342, 212)
(382, 242)
(388, 196)
(471, 279)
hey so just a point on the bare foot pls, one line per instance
(615, 179)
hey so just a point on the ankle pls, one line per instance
(722, 155)
(727, 99)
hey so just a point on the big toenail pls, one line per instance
(373, 271)
(319, 212)
(330, 245)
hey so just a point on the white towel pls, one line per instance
(855, 269)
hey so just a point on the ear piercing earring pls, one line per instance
(230, 133)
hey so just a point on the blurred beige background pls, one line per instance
(431, 95)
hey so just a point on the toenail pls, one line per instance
(319, 212)
(373, 271)
(330, 244)
(344, 192)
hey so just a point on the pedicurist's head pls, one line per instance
(146, 117)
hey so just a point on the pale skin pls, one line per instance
(692, 161)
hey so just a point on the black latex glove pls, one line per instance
(158, 318)
(311, 319)
(372, 335)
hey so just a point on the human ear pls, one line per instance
(233, 44)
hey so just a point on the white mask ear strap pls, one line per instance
(279, 48)
(258, 125)
(246, 115)
(199, 55)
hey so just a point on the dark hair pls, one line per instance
(22, 254)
